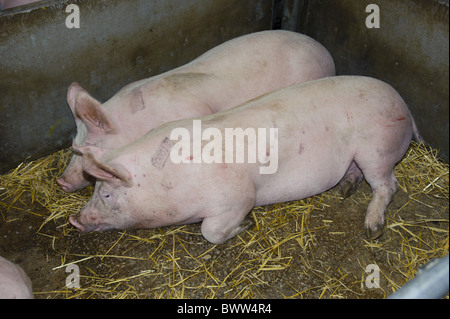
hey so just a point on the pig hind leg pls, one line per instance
(376, 158)
(349, 183)
(381, 178)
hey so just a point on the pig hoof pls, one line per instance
(346, 189)
(375, 232)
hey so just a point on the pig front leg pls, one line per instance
(229, 194)
(226, 221)
(219, 229)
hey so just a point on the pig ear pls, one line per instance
(93, 115)
(82, 150)
(72, 93)
(106, 172)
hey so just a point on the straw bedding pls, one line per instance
(311, 248)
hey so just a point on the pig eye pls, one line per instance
(104, 194)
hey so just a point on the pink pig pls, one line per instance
(14, 283)
(227, 75)
(330, 130)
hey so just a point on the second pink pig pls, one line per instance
(227, 75)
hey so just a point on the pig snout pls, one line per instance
(86, 224)
(70, 183)
(65, 186)
(74, 178)
(83, 227)
(77, 225)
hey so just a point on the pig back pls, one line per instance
(257, 63)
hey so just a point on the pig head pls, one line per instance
(93, 126)
(130, 192)
(106, 209)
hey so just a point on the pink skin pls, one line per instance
(14, 282)
(225, 76)
(338, 128)
(75, 178)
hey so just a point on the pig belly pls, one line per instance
(303, 175)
